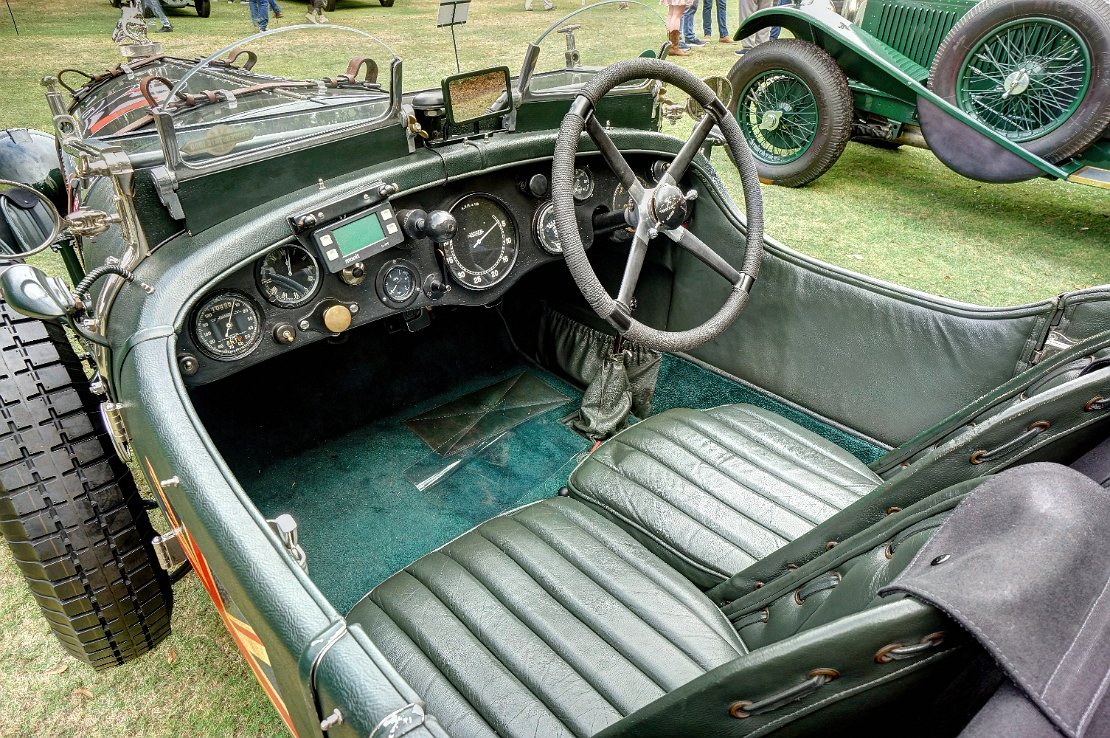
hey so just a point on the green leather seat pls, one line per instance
(713, 491)
(547, 621)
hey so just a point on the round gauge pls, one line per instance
(483, 252)
(546, 232)
(398, 283)
(288, 276)
(227, 326)
(583, 184)
(621, 199)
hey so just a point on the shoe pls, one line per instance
(695, 41)
(165, 29)
(676, 47)
(321, 18)
(277, 15)
(741, 52)
(727, 40)
(310, 17)
(683, 45)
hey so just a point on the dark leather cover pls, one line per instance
(713, 491)
(548, 621)
(1044, 614)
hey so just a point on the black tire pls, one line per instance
(329, 5)
(1089, 19)
(386, 3)
(116, 3)
(69, 509)
(827, 86)
(204, 8)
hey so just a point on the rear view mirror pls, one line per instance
(30, 292)
(721, 87)
(474, 96)
(28, 221)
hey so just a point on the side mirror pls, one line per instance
(721, 87)
(475, 96)
(29, 223)
(28, 290)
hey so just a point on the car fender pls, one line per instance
(868, 60)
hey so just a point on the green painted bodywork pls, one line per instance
(887, 60)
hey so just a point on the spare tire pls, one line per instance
(1035, 71)
(69, 509)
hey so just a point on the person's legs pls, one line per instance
(276, 8)
(722, 19)
(674, 24)
(155, 6)
(747, 9)
(688, 34)
(260, 13)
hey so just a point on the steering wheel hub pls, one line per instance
(669, 207)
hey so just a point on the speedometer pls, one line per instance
(227, 326)
(484, 250)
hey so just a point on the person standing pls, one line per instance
(722, 20)
(547, 5)
(688, 37)
(276, 8)
(749, 8)
(260, 13)
(315, 12)
(155, 6)
(675, 9)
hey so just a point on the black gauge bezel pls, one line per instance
(590, 178)
(249, 348)
(620, 188)
(449, 247)
(537, 228)
(280, 303)
(379, 283)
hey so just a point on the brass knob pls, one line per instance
(337, 318)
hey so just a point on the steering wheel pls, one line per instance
(660, 209)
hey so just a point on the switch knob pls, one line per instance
(337, 318)
(440, 226)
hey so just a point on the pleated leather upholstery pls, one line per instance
(712, 491)
(548, 621)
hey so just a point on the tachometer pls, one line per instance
(483, 252)
(288, 276)
(227, 326)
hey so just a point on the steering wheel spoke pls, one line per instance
(687, 240)
(614, 158)
(689, 150)
(634, 265)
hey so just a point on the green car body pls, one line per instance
(887, 49)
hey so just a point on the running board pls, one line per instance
(1092, 176)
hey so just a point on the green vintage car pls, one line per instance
(484, 410)
(999, 90)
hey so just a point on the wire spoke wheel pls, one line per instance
(1026, 78)
(778, 115)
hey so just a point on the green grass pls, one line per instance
(901, 216)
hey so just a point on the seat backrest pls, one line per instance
(828, 656)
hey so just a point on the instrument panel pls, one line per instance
(368, 257)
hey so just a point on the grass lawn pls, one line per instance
(899, 215)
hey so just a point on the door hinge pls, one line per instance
(286, 529)
(112, 415)
(168, 549)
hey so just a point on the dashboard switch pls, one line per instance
(537, 186)
(285, 334)
(440, 226)
(337, 318)
(354, 275)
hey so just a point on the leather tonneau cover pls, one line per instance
(1024, 565)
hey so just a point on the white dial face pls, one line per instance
(583, 184)
(484, 250)
(546, 232)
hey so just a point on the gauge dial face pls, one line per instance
(227, 326)
(288, 276)
(621, 199)
(546, 232)
(398, 283)
(483, 252)
(583, 184)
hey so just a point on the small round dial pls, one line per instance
(546, 232)
(398, 283)
(483, 252)
(621, 199)
(583, 184)
(288, 276)
(227, 326)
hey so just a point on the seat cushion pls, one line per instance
(550, 620)
(713, 491)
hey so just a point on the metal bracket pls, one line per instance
(82, 223)
(1054, 344)
(286, 529)
(112, 415)
(166, 185)
(168, 549)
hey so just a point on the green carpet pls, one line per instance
(360, 513)
(683, 383)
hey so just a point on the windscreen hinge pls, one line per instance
(165, 183)
(112, 415)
